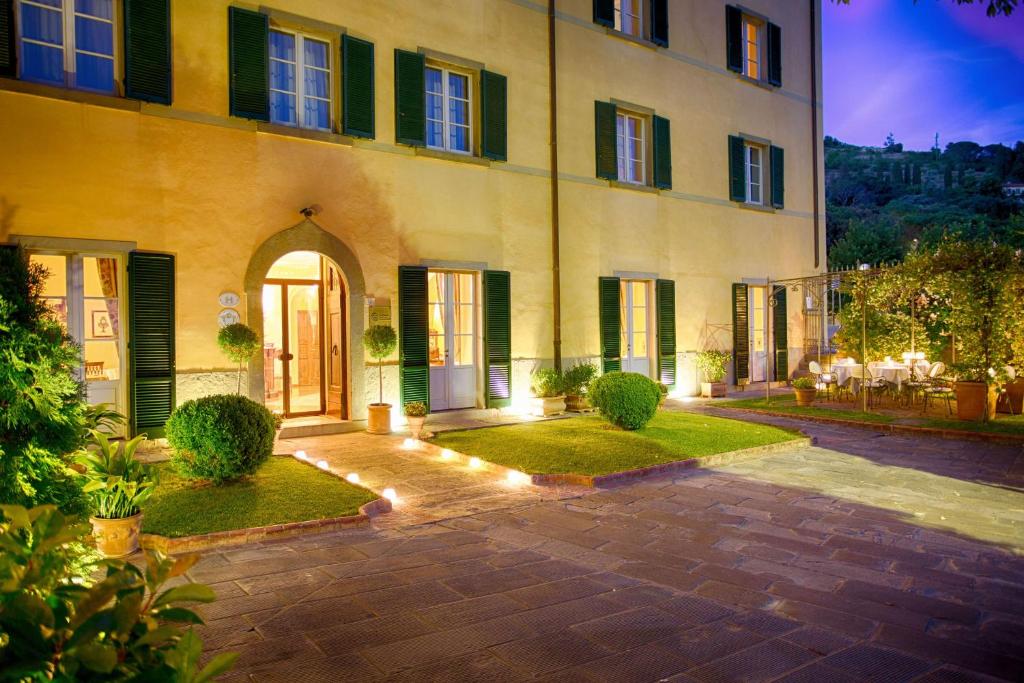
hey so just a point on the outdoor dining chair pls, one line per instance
(875, 386)
(821, 379)
(917, 384)
(939, 387)
(1004, 396)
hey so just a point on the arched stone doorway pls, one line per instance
(307, 236)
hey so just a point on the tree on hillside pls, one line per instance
(947, 178)
(995, 7)
(917, 175)
(866, 243)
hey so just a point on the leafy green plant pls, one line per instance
(712, 363)
(577, 379)
(547, 383)
(221, 438)
(41, 404)
(101, 417)
(117, 483)
(124, 626)
(380, 342)
(415, 409)
(626, 399)
(803, 383)
(238, 342)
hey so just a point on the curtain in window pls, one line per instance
(107, 268)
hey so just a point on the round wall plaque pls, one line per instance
(228, 316)
(229, 299)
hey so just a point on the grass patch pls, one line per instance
(787, 404)
(283, 490)
(1003, 424)
(591, 446)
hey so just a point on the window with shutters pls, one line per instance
(631, 147)
(629, 17)
(754, 163)
(753, 48)
(300, 80)
(68, 43)
(449, 109)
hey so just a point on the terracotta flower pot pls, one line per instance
(974, 400)
(117, 537)
(379, 420)
(713, 389)
(416, 424)
(552, 405)
(575, 404)
(805, 397)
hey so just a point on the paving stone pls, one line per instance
(631, 629)
(869, 662)
(676, 578)
(549, 652)
(344, 638)
(818, 640)
(762, 662)
(316, 669)
(939, 609)
(693, 610)
(494, 581)
(557, 591)
(734, 595)
(710, 642)
(309, 616)
(400, 598)
(828, 618)
(645, 663)
(470, 611)
(296, 580)
(477, 666)
(817, 672)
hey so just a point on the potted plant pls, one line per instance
(548, 387)
(238, 342)
(576, 381)
(416, 415)
(805, 391)
(119, 485)
(380, 342)
(662, 394)
(712, 364)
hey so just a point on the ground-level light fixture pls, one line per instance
(352, 478)
(409, 444)
(390, 494)
(475, 462)
(322, 464)
(301, 455)
(516, 477)
(447, 454)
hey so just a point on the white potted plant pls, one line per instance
(548, 387)
(712, 364)
(380, 342)
(416, 415)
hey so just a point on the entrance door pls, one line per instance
(335, 346)
(292, 343)
(451, 299)
(635, 298)
(758, 316)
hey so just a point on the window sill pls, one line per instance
(642, 42)
(646, 189)
(760, 208)
(69, 94)
(451, 156)
(304, 133)
(764, 85)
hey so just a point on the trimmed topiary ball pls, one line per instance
(221, 438)
(626, 399)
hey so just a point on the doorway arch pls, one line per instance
(308, 236)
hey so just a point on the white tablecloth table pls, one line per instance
(893, 374)
(845, 371)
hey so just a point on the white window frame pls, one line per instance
(446, 125)
(300, 78)
(759, 45)
(624, 160)
(750, 179)
(70, 47)
(638, 18)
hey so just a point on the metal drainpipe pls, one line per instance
(814, 129)
(556, 277)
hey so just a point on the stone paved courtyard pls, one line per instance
(867, 557)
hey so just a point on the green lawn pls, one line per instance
(284, 490)
(1003, 424)
(591, 446)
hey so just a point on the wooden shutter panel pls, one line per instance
(410, 99)
(610, 315)
(737, 170)
(659, 22)
(151, 341)
(780, 331)
(604, 13)
(493, 115)
(250, 64)
(497, 298)
(774, 54)
(778, 166)
(662, 153)
(357, 89)
(604, 141)
(665, 291)
(147, 50)
(740, 332)
(8, 51)
(413, 331)
(734, 38)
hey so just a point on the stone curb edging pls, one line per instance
(955, 434)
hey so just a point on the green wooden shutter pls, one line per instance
(780, 331)
(659, 22)
(8, 51)
(413, 332)
(410, 99)
(774, 54)
(740, 332)
(497, 298)
(493, 116)
(604, 13)
(357, 116)
(151, 341)
(734, 38)
(604, 141)
(147, 50)
(737, 170)
(610, 316)
(662, 153)
(249, 64)
(665, 291)
(778, 166)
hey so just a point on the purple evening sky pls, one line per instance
(922, 68)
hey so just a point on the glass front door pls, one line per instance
(635, 296)
(293, 348)
(758, 333)
(451, 300)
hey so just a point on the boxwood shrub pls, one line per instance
(627, 399)
(221, 438)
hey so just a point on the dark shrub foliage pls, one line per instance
(626, 399)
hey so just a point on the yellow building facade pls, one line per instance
(158, 156)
